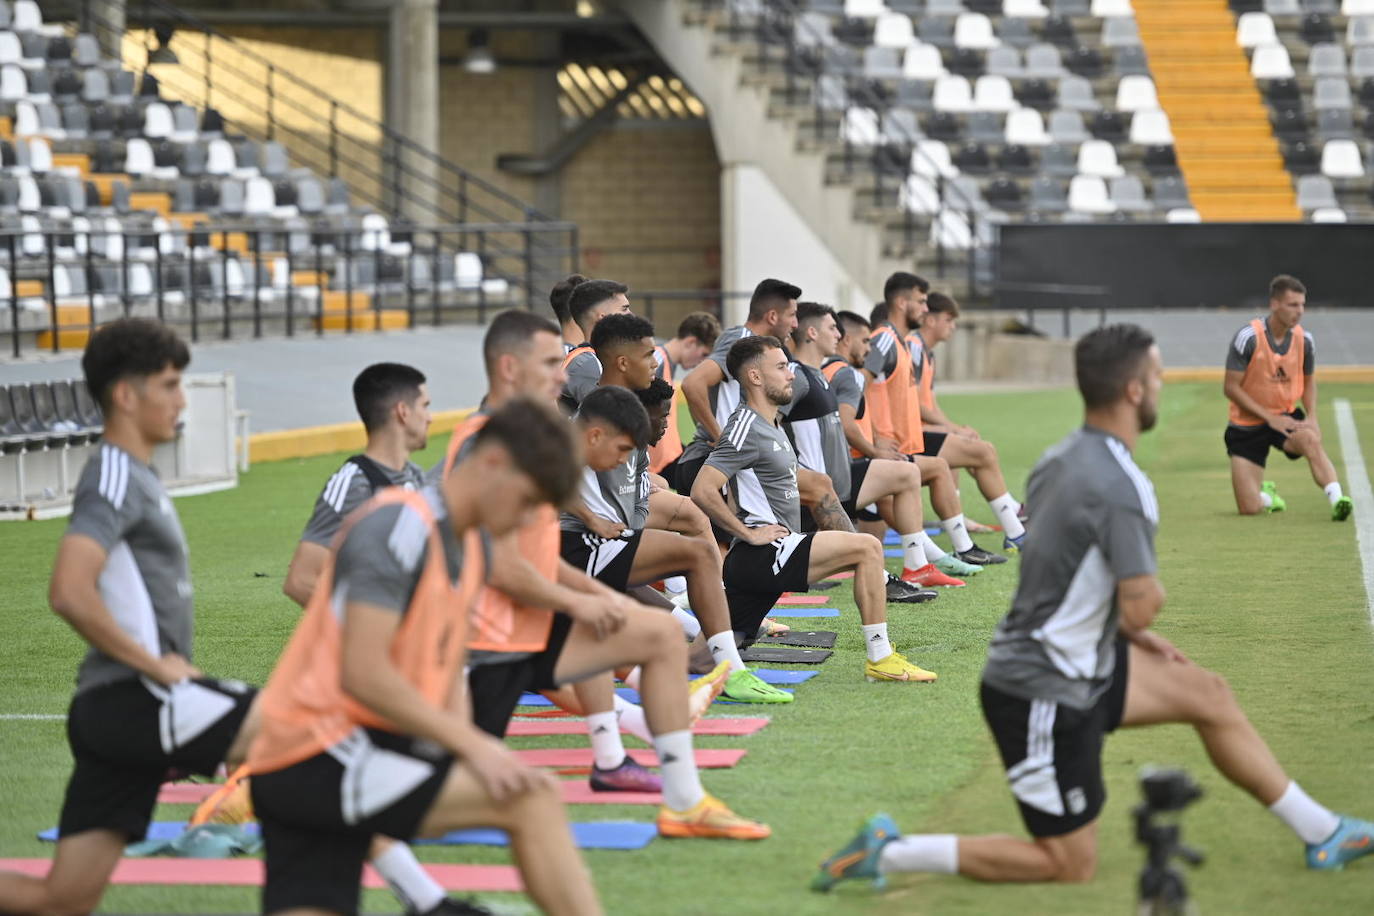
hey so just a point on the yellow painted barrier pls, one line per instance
(279, 445)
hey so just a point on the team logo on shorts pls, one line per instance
(1077, 800)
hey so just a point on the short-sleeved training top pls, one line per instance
(816, 429)
(620, 494)
(1242, 348)
(1096, 518)
(146, 583)
(348, 489)
(762, 469)
(724, 397)
(584, 374)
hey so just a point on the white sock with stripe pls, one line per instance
(932, 852)
(875, 641)
(958, 532)
(407, 878)
(691, 627)
(1006, 508)
(913, 550)
(933, 550)
(681, 781)
(607, 749)
(723, 649)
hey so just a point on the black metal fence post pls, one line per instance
(192, 285)
(52, 290)
(257, 292)
(14, 293)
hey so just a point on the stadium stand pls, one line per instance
(1314, 65)
(116, 200)
(960, 116)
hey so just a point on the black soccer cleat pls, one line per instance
(980, 557)
(905, 593)
(451, 907)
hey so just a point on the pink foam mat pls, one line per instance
(248, 872)
(537, 727)
(803, 599)
(707, 758)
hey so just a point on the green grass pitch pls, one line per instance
(1275, 603)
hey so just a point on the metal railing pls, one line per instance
(645, 302)
(233, 280)
(776, 25)
(326, 134)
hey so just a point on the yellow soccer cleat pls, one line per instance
(709, 818)
(896, 668)
(702, 692)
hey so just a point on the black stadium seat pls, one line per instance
(1004, 194)
(1300, 159)
(1316, 28)
(973, 158)
(1084, 62)
(1108, 125)
(1160, 160)
(1058, 30)
(86, 407)
(965, 62)
(1036, 93)
(1016, 159)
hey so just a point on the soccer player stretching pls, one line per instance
(1269, 369)
(1075, 659)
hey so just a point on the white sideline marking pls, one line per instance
(1357, 478)
(31, 717)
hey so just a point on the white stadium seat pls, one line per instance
(1183, 215)
(993, 93)
(1136, 93)
(1098, 159)
(1271, 62)
(974, 30)
(1255, 29)
(1088, 194)
(1328, 215)
(1026, 127)
(1151, 128)
(952, 93)
(1341, 159)
(893, 30)
(923, 62)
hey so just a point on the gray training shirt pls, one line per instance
(817, 432)
(620, 494)
(381, 558)
(348, 489)
(762, 469)
(146, 583)
(1095, 522)
(848, 384)
(584, 374)
(724, 397)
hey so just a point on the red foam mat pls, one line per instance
(803, 599)
(248, 872)
(537, 727)
(582, 757)
(185, 793)
(577, 792)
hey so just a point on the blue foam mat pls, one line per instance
(893, 552)
(632, 695)
(788, 610)
(589, 835)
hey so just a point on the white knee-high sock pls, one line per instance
(632, 719)
(681, 781)
(1309, 820)
(407, 878)
(1005, 507)
(723, 649)
(958, 532)
(875, 641)
(938, 853)
(933, 550)
(607, 748)
(913, 550)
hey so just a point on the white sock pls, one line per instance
(1005, 507)
(632, 679)
(607, 748)
(681, 781)
(688, 621)
(675, 584)
(913, 550)
(723, 649)
(932, 852)
(875, 641)
(932, 549)
(632, 720)
(407, 878)
(1333, 491)
(1309, 820)
(1266, 500)
(958, 532)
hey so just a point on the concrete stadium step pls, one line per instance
(1225, 147)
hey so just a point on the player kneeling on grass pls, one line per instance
(365, 725)
(1075, 659)
(122, 580)
(769, 555)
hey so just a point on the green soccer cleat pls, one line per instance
(1341, 509)
(1353, 838)
(1276, 503)
(859, 859)
(744, 686)
(951, 565)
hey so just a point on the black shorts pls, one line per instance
(670, 475)
(932, 443)
(494, 688)
(858, 471)
(756, 577)
(1253, 442)
(607, 560)
(319, 816)
(123, 753)
(1053, 753)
